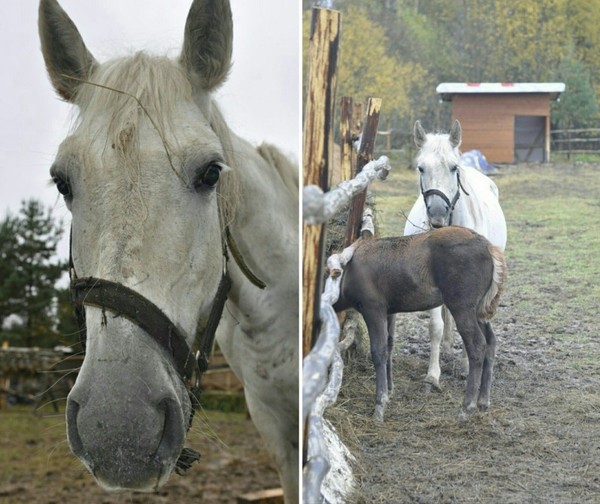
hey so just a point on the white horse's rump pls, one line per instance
(476, 207)
(151, 173)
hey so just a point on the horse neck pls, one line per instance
(469, 211)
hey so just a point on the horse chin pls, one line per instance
(152, 485)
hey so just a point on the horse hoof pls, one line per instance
(378, 413)
(431, 387)
(465, 414)
(483, 407)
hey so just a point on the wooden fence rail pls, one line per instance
(575, 141)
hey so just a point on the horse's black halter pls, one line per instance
(437, 192)
(123, 301)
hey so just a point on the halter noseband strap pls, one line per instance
(123, 301)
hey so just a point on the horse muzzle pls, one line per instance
(126, 450)
(438, 212)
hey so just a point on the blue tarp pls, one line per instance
(476, 159)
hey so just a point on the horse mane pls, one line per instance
(287, 170)
(143, 87)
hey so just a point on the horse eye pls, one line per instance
(209, 177)
(62, 185)
(421, 169)
(453, 168)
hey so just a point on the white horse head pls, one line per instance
(438, 163)
(142, 173)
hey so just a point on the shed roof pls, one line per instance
(448, 89)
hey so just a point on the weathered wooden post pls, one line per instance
(365, 154)
(318, 151)
(346, 119)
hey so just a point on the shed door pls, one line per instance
(530, 139)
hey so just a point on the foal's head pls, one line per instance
(141, 173)
(439, 171)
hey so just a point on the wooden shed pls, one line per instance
(509, 122)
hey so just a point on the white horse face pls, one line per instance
(439, 171)
(141, 182)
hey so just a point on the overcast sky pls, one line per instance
(260, 100)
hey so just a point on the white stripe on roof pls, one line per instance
(499, 87)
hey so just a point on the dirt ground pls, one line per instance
(540, 440)
(37, 466)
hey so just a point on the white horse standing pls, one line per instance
(451, 194)
(160, 192)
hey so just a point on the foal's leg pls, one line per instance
(376, 320)
(448, 341)
(391, 322)
(436, 329)
(483, 403)
(448, 331)
(476, 346)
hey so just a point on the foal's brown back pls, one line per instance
(451, 265)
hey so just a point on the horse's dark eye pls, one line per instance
(421, 169)
(453, 168)
(62, 185)
(210, 177)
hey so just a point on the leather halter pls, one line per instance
(437, 192)
(123, 301)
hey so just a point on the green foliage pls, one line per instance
(30, 271)
(578, 106)
(8, 266)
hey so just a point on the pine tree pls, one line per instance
(8, 267)
(33, 270)
(578, 106)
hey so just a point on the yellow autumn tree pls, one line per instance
(584, 23)
(364, 66)
(367, 69)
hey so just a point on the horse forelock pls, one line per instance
(438, 146)
(126, 92)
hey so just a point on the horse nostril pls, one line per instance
(173, 434)
(72, 431)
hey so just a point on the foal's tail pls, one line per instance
(488, 304)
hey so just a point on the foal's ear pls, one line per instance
(455, 134)
(67, 59)
(420, 135)
(208, 42)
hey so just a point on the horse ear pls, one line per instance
(67, 59)
(455, 134)
(208, 42)
(420, 135)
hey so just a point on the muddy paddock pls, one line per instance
(540, 440)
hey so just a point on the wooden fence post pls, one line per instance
(365, 154)
(346, 111)
(318, 151)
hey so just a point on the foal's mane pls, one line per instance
(143, 87)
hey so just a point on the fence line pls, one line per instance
(322, 368)
(576, 141)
